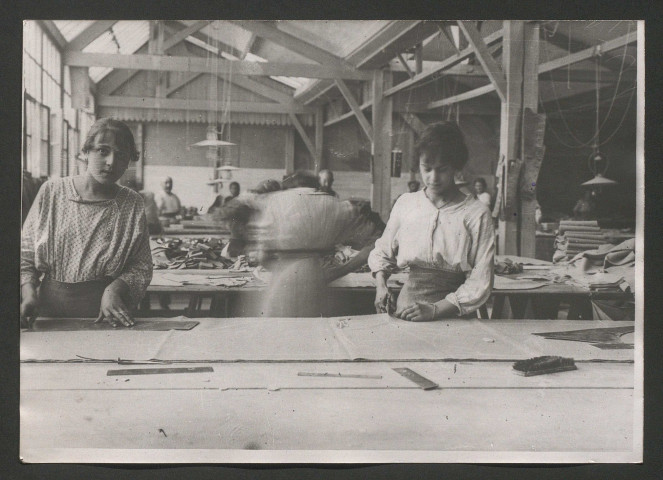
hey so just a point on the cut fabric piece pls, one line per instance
(592, 335)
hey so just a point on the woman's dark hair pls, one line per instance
(442, 140)
(267, 186)
(482, 181)
(300, 179)
(233, 183)
(123, 136)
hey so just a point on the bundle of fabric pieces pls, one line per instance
(507, 266)
(577, 236)
(191, 253)
(342, 255)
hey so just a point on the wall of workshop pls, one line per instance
(167, 151)
(347, 152)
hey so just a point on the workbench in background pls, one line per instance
(254, 405)
(354, 294)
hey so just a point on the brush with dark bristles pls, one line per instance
(543, 365)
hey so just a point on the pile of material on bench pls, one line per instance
(195, 253)
(578, 236)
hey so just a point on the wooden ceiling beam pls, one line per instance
(490, 66)
(307, 141)
(90, 34)
(187, 104)
(54, 33)
(180, 35)
(477, 92)
(356, 109)
(371, 52)
(588, 53)
(443, 65)
(414, 122)
(118, 77)
(347, 115)
(175, 26)
(189, 64)
(182, 83)
(269, 31)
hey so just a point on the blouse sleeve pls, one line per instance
(479, 281)
(383, 256)
(137, 272)
(29, 235)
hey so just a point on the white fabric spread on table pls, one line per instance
(374, 337)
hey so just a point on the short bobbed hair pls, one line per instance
(123, 136)
(299, 179)
(482, 181)
(445, 141)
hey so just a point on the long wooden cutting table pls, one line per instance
(360, 288)
(255, 406)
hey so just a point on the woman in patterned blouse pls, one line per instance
(85, 245)
(444, 236)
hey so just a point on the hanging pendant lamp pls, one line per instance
(597, 158)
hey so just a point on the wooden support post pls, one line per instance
(531, 101)
(319, 126)
(419, 58)
(140, 144)
(289, 151)
(405, 65)
(512, 65)
(80, 87)
(381, 145)
(155, 47)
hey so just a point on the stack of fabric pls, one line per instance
(192, 253)
(581, 235)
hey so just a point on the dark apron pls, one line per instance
(428, 285)
(71, 300)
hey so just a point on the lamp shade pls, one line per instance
(212, 139)
(212, 143)
(598, 181)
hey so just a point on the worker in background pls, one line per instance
(151, 211)
(237, 214)
(481, 191)
(326, 180)
(445, 237)
(412, 186)
(585, 208)
(168, 203)
(85, 248)
(234, 192)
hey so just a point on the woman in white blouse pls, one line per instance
(444, 236)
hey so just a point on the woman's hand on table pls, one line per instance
(29, 305)
(113, 309)
(418, 312)
(384, 301)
